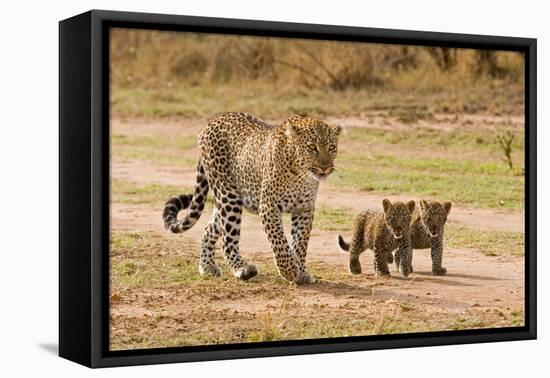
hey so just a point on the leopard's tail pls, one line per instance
(344, 246)
(194, 201)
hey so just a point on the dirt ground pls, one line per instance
(479, 291)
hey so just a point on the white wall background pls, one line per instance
(29, 185)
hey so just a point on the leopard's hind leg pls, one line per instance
(212, 232)
(230, 207)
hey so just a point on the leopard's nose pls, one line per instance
(327, 169)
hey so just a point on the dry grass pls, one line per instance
(273, 326)
(166, 73)
(158, 299)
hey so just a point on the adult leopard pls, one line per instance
(266, 169)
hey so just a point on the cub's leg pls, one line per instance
(301, 228)
(212, 232)
(355, 264)
(381, 261)
(358, 244)
(411, 265)
(437, 255)
(403, 256)
(230, 209)
(390, 257)
(397, 261)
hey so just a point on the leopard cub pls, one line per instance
(382, 232)
(427, 228)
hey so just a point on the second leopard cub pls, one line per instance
(427, 231)
(382, 232)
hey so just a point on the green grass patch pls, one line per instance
(490, 243)
(518, 318)
(333, 219)
(140, 260)
(456, 140)
(464, 322)
(155, 141)
(478, 184)
(166, 149)
(151, 260)
(154, 195)
(153, 272)
(156, 156)
(124, 240)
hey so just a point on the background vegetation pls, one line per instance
(191, 74)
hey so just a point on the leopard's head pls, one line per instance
(398, 216)
(433, 216)
(316, 144)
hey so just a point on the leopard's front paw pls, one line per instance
(439, 271)
(306, 278)
(210, 270)
(246, 272)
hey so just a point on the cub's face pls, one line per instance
(433, 215)
(397, 216)
(316, 144)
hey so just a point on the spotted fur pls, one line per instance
(382, 232)
(427, 228)
(266, 169)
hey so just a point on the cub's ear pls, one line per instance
(447, 206)
(291, 130)
(423, 204)
(386, 204)
(337, 130)
(411, 205)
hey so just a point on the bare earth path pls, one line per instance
(473, 278)
(143, 172)
(489, 288)
(479, 291)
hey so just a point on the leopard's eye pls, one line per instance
(312, 147)
(332, 148)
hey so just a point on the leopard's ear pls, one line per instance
(337, 130)
(447, 206)
(423, 204)
(291, 130)
(411, 205)
(386, 203)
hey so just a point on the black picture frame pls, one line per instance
(84, 187)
